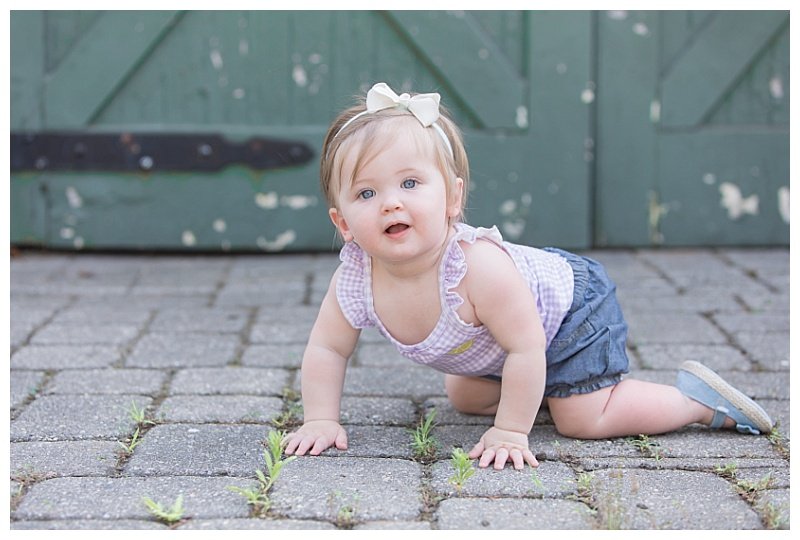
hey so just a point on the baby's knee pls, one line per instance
(472, 396)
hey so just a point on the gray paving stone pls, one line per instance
(550, 479)
(226, 409)
(375, 442)
(230, 380)
(199, 450)
(303, 315)
(65, 357)
(285, 356)
(377, 489)
(92, 498)
(668, 499)
(670, 356)
(64, 458)
(87, 524)
(774, 505)
(183, 350)
(407, 381)
(512, 513)
(158, 300)
(24, 384)
(378, 411)
(107, 381)
(234, 295)
(734, 323)
(703, 464)
(73, 417)
(779, 302)
(99, 315)
(393, 526)
(770, 350)
(379, 355)
(253, 524)
(280, 333)
(71, 334)
(215, 320)
(770, 477)
(633, 302)
(672, 328)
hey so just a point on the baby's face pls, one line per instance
(396, 207)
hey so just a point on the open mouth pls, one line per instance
(397, 228)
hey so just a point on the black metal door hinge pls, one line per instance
(149, 152)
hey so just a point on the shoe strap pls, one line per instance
(720, 414)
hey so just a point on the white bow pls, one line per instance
(425, 107)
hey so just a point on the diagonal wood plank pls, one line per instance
(474, 67)
(713, 62)
(100, 62)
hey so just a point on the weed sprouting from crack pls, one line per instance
(423, 443)
(462, 465)
(293, 410)
(646, 446)
(171, 516)
(344, 511)
(258, 498)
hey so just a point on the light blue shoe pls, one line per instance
(701, 384)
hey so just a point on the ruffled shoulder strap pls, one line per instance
(351, 286)
(454, 265)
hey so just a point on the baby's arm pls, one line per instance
(330, 344)
(504, 303)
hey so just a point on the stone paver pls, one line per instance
(210, 350)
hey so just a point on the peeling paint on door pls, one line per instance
(783, 203)
(733, 201)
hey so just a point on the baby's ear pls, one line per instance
(456, 198)
(340, 223)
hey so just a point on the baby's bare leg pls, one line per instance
(472, 395)
(631, 407)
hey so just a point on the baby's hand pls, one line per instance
(501, 445)
(315, 436)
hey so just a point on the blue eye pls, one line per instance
(410, 183)
(366, 194)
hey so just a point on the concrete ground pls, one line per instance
(207, 349)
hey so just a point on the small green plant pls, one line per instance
(169, 517)
(584, 487)
(258, 498)
(344, 511)
(462, 465)
(423, 443)
(293, 409)
(130, 444)
(772, 516)
(139, 416)
(750, 490)
(537, 482)
(646, 446)
(726, 471)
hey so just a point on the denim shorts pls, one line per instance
(588, 351)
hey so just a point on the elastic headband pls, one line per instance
(424, 107)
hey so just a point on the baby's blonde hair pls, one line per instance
(366, 130)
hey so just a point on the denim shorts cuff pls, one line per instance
(585, 387)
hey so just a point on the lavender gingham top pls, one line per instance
(455, 346)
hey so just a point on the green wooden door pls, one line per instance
(693, 124)
(516, 82)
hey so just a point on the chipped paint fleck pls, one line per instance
(655, 111)
(244, 47)
(618, 15)
(267, 201)
(776, 87)
(238, 93)
(219, 225)
(514, 229)
(733, 201)
(67, 233)
(281, 241)
(656, 211)
(314, 58)
(783, 203)
(587, 96)
(508, 207)
(298, 202)
(483, 53)
(299, 75)
(78, 242)
(188, 239)
(522, 117)
(641, 29)
(216, 59)
(73, 197)
(561, 68)
(709, 179)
